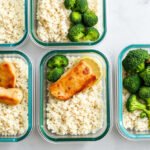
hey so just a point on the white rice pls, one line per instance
(53, 19)
(11, 21)
(81, 115)
(14, 119)
(132, 121)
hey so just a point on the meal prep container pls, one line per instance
(33, 28)
(47, 135)
(18, 54)
(25, 29)
(133, 135)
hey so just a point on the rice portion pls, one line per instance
(81, 115)
(11, 21)
(14, 119)
(53, 20)
(132, 121)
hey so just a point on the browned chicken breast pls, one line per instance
(12, 96)
(7, 75)
(77, 79)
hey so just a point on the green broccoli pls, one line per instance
(57, 61)
(133, 104)
(91, 34)
(145, 75)
(76, 33)
(54, 74)
(89, 18)
(132, 83)
(135, 60)
(81, 6)
(69, 4)
(144, 93)
(75, 17)
(143, 115)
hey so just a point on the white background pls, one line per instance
(128, 22)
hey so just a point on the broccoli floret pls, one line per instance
(145, 75)
(132, 83)
(133, 104)
(90, 19)
(76, 33)
(144, 93)
(54, 74)
(75, 17)
(91, 34)
(143, 115)
(69, 4)
(135, 60)
(81, 6)
(57, 61)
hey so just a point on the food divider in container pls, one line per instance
(37, 40)
(127, 133)
(53, 137)
(15, 56)
(18, 43)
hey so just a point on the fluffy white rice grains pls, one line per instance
(14, 119)
(81, 115)
(11, 21)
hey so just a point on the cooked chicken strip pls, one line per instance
(12, 96)
(77, 79)
(7, 75)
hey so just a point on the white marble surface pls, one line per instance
(128, 22)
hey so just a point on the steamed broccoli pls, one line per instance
(91, 34)
(81, 6)
(132, 83)
(143, 115)
(145, 75)
(69, 4)
(90, 19)
(144, 93)
(75, 17)
(133, 104)
(135, 60)
(54, 74)
(76, 33)
(57, 61)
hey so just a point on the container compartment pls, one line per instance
(101, 27)
(47, 134)
(127, 133)
(18, 131)
(15, 32)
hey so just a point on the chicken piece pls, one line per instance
(7, 75)
(82, 76)
(12, 96)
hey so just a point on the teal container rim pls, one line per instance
(67, 43)
(30, 112)
(41, 116)
(121, 127)
(25, 30)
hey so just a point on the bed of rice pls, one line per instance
(53, 19)
(14, 119)
(132, 121)
(11, 21)
(81, 115)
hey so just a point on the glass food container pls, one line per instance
(21, 56)
(33, 27)
(45, 133)
(127, 133)
(25, 29)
